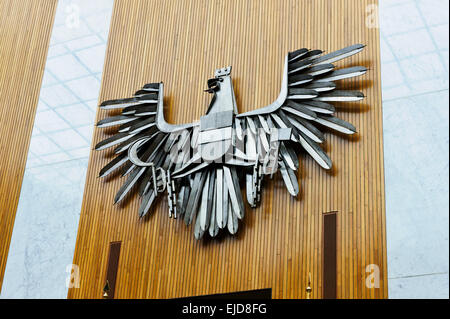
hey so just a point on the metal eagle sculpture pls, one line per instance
(200, 165)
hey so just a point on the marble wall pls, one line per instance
(414, 55)
(45, 229)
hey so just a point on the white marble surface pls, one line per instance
(433, 286)
(414, 55)
(45, 231)
(43, 240)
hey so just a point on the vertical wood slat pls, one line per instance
(25, 28)
(279, 243)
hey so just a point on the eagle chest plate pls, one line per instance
(216, 131)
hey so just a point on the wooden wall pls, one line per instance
(25, 28)
(181, 43)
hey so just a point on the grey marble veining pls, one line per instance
(428, 286)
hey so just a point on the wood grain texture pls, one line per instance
(278, 244)
(25, 28)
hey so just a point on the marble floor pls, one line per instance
(414, 56)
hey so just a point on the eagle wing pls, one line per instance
(157, 157)
(304, 104)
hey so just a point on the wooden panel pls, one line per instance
(329, 251)
(181, 43)
(25, 28)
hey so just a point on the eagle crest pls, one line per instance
(199, 166)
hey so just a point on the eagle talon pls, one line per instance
(171, 196)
